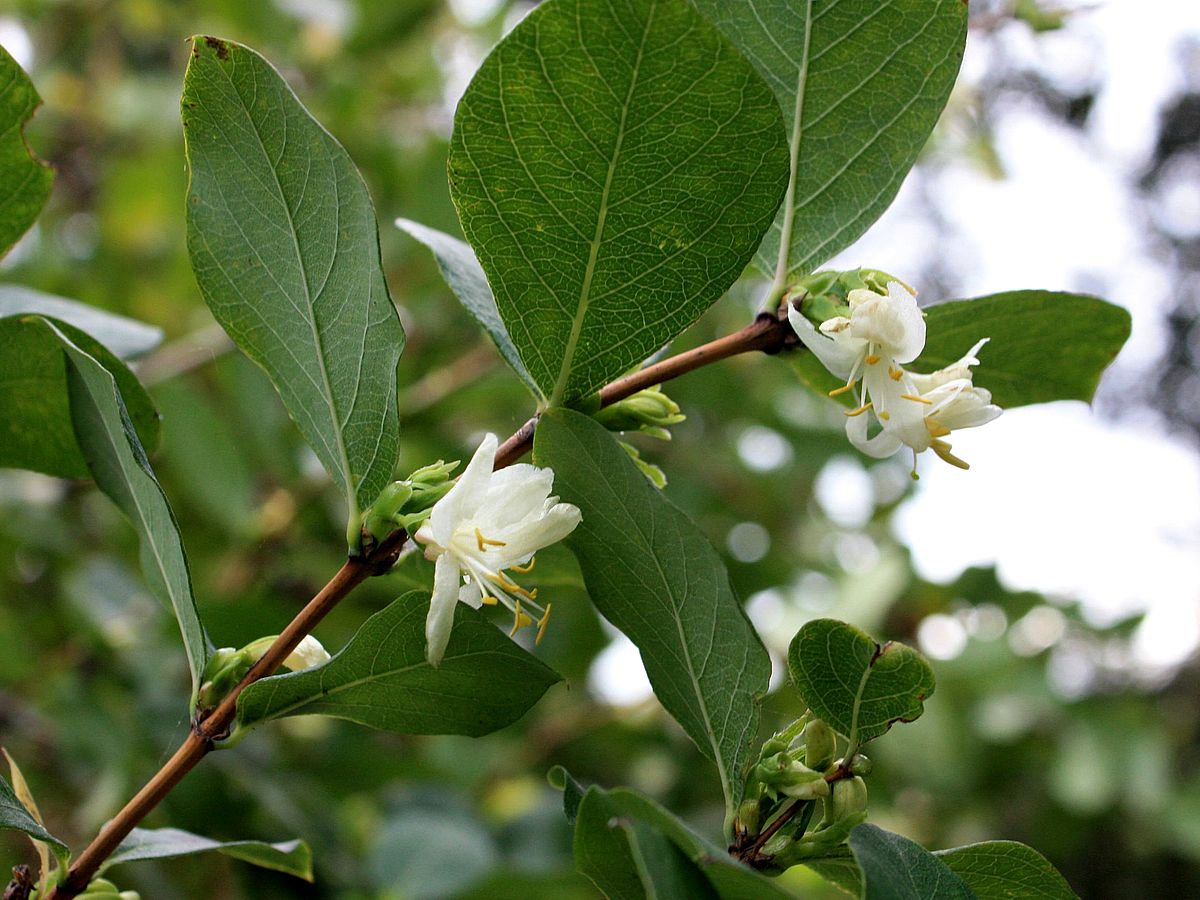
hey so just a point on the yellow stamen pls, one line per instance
(525, 570)
(520, 620)
(838, 391)
(862, 409)
(873, 358)
(484, 543)
(886, 416)
(895, 374)
(488, 600)
(515, 588)
(942, 449)
(542, 623)
(917, 399)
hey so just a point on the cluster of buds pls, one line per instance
(103, 889)
(868, 327)
(227, 666)
(406, 504)
(796, 771)
(650, 412)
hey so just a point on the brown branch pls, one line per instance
(768, 333)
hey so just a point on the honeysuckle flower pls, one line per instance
(918, 410)
(880, 334)
(490, 522)
(308, 653)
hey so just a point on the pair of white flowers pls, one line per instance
(881, 335)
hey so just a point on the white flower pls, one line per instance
(880, 333)
(308, 653)
(920, 410)
(488, 522)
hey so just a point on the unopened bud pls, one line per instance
(649, 411)
(861, 764)
(825, 295)
(405, 504)
(653, 473)
(820, 744)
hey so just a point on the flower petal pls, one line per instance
(912, 322)
(464, 499)
(881, 446)
(836, 357)
(441, 608)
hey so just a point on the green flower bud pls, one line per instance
(653, 473)
(825, 295)
(649, 411)
(861, 764)
(848, 799)
(405, 504)
(100, 885)
(749, 816)
(820, 743)
(224, 670)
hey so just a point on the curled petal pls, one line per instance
(834, 356)
(881, 446)
(441, 608)
(464, 499)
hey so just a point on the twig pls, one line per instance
(768, 333)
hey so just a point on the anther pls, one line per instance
(838, 391)
(895, 373)
(484, 543)
(862, 409)
(873, 358)
(917, 399)
(542, 623)
(488, 600)
(942, 449)
(525, 570)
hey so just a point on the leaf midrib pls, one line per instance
(564, 371)
(789, 210)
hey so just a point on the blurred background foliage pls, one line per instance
(1105, 780)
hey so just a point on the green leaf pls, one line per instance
(839, 868)
(285, 249)
(1006, 870)
(859, 687)
(125, 338)
(861, 85)
(118, 463)
(462, 272)
(382, 679)
(614, 165)
(1045, 345)
(36, 432)
(615, 832)
(292, 857)
(653, 574)
(15, 816)
(895, 868)
(25, 180)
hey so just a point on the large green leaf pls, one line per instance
(653, 574)
(462, 272)
(14, 815)
(125, 338)
(1045, 345)
(616, 830)
(35, 414)
(24, 179)
(861, 84)
(118, 463)
(1006, 870)
(859, 687)
(382, 679)
(285, 249)
(895, 868)
(292, 857)
(614, 164)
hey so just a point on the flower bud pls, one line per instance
(649, 411)
(861, 764)
(820, 743)
(653, 473)
(825, 295)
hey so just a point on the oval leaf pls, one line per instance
(652, 573)
(285, 249)
(895, 868)
(859, 687)
(25, 180)
(1006, 870)
(382, 679)
(36, 432)
(1045, 345)
(614, 165)
(464, 275)
(861, 84)
(292, 857)
(118, 463)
